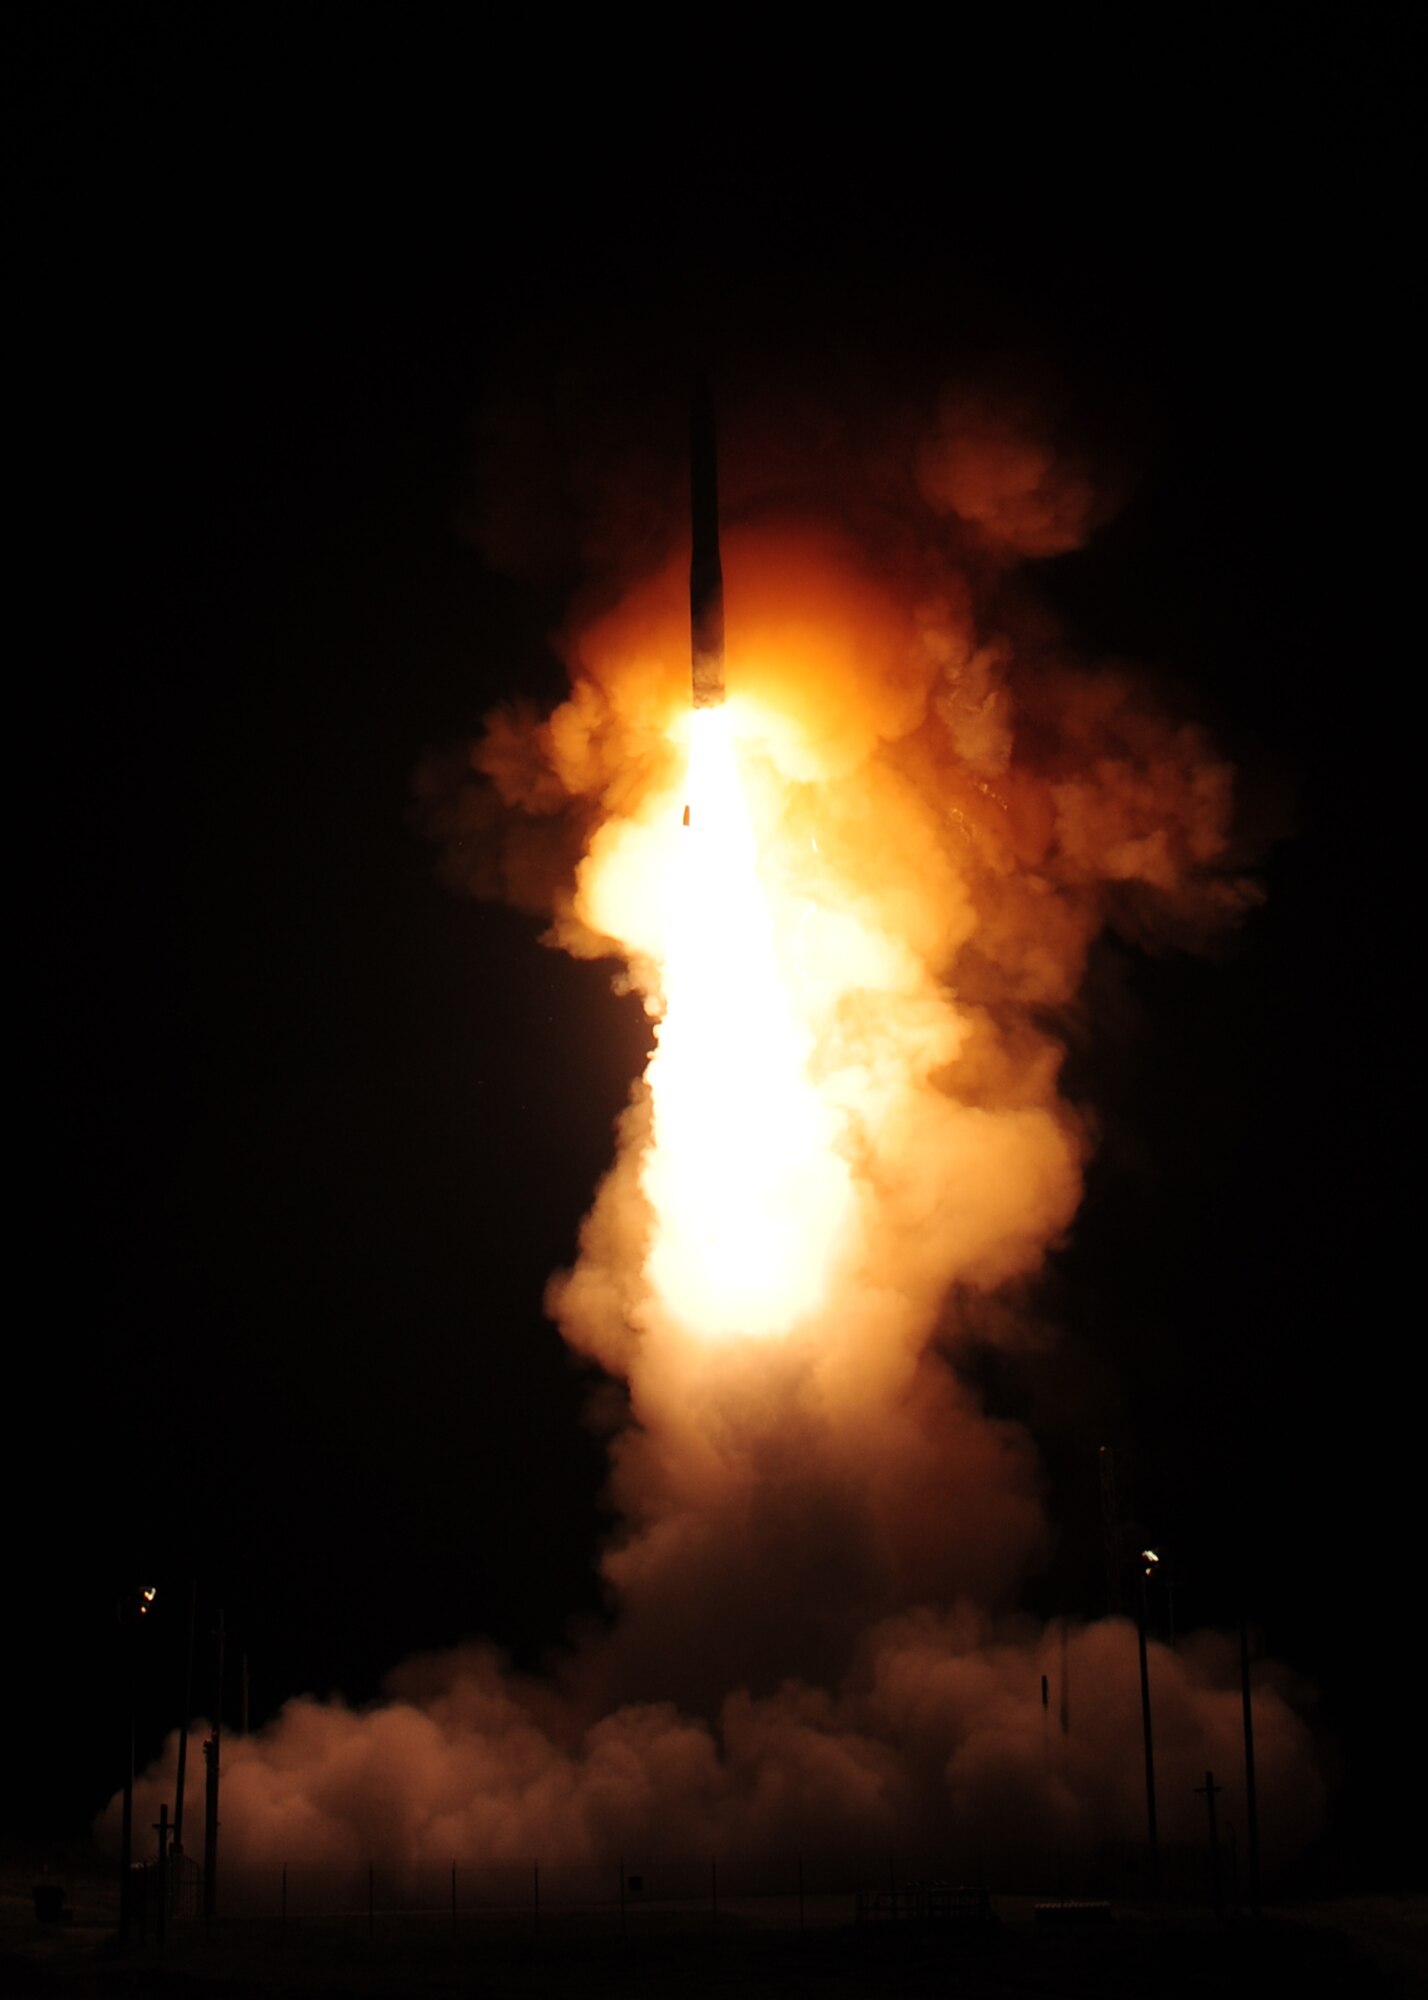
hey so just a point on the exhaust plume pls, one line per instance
(936, 1740)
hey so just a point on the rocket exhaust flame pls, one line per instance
(743, 1235)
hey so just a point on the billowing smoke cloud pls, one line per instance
(937, 1742)
(946, 819)
(992, 464)
(824, 1533)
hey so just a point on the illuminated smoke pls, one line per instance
(940, 829)
(904, 833)
(465, 1759)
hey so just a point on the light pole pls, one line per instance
(1146, 1567)
(1159, 1570)
(1251, 1797)
(135, 1604)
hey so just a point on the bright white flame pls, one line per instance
(749, 1194)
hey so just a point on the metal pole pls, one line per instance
(212, 1752)
(1210, 1788)
(1152, 1840)
(126, 1825)
(1110, 1529)
(1065, 1677)
(180, 1784)
(162, 1829)
(1251, 1801)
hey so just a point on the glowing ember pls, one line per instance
(748, 1193)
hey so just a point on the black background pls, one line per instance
(303, 1134)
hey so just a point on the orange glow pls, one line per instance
(748, 1193)
(899, 846)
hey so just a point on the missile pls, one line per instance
(706, 574)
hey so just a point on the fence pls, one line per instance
(668, 1895)
(617, 1894)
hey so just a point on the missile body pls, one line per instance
(706, 574)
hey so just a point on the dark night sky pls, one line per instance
(304, 1134)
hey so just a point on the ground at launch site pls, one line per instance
(1366, 1946)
